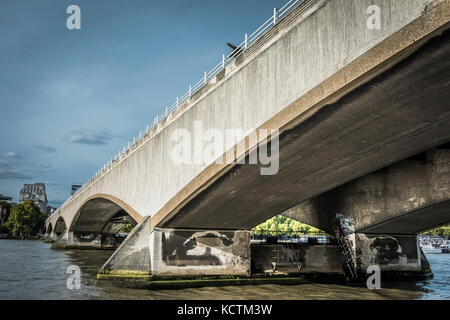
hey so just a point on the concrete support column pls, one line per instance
(132, 257)
(188, 253)
(60, 240)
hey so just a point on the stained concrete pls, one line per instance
(294, 258)
(132, 258)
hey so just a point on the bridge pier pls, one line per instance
(179, 253)
(396, 255)
(190, 252)
(59, 241)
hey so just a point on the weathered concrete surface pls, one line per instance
(291, 259)
(59, 241)
(188, 253)
(132, 258)
(408, 197)
(313, 57)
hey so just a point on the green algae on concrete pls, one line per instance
(122, 275)
(148, 281)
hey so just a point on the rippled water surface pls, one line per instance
(30, 270)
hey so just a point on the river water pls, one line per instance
(31, 270)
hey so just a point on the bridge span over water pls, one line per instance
(362, 116)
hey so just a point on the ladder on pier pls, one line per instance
(348, 254)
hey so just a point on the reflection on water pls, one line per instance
(30, 270)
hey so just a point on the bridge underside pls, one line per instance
(416, 221)
(100, 215)
(408, 197)
(400, 113)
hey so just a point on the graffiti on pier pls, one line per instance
(193, 248)
(388, 251)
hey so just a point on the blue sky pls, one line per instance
(71, 99)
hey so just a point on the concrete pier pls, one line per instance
(180, 254)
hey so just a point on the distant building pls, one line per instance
(35, 192)
(75, 187)
(5, 198)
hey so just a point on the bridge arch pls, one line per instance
(100, 218)
(60, 226)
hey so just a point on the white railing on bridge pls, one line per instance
(226, 59)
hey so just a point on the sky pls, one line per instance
(71, 99)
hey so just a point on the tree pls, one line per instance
(443, 231)
(26, 219)
(284, 225)
(127, 228)
(5, 210)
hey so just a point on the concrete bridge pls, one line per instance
(362, 115)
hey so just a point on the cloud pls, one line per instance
(13, 175)
(6, 165)
(45, 148)
(89, 137)
(12, 155)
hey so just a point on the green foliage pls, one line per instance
(26, 219)
(4, 228)
(4, 207)
(127, 228)
(441, 231)
(281, 224)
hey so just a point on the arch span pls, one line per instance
(60, 226)
(95, 212)
(102, 221)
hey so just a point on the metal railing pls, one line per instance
(226, 59)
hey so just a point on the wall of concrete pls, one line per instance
(199, 252)
(295, 258)
(317, 40)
